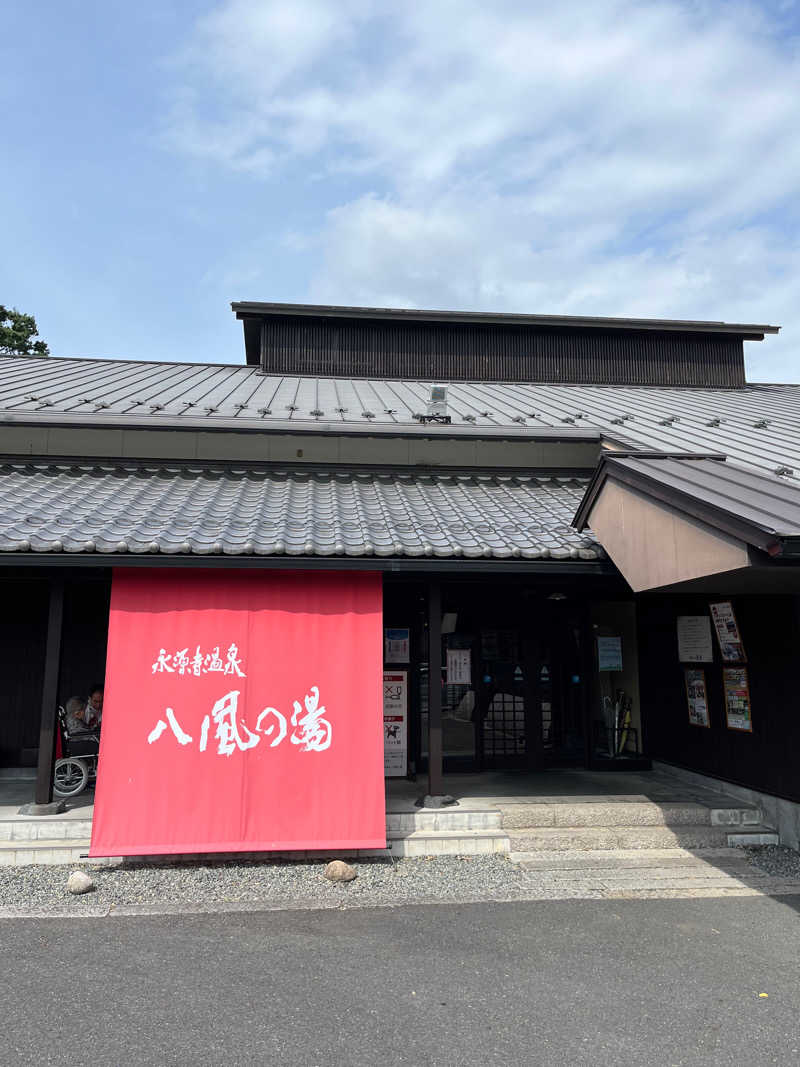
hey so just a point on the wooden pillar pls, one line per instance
(52, 664)
(589, 685)
(435, 783)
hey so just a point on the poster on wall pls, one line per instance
(395, 723)
(396, 645)
(697, 696)
(609, 653)
(459, 671)
(243, 713)
(737, 698)
(730, 641)
(694, 639)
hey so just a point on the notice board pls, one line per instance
(395, 723)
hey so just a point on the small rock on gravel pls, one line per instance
(79, 882)
(339, 871)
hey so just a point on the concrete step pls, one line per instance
(447, 842)
(657, 873)
(627, 859)
(625, 813)
(444, 819)
(46, 827)
(43, 851)
(588, 838)
(400, 843)
(753, 835)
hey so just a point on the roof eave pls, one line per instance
(768, 540)
(786, 548)
(246, 309)
(211, 424)
(453, 564)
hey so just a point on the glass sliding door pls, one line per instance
(504, 698)
(458, 700)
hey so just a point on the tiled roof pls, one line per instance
(231, 510)
(757, 426)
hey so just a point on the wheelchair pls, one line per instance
(77, 765)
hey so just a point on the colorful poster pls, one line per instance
(609, 653)
(697, 696)
(396, 646)
(694, 639)
(737, 698)
(459, 669)
(395, 723)
(730, 641)
(243, 713)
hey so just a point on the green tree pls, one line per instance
(17, 332)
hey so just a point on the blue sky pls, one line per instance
(595, 157)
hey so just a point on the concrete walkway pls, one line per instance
(485, 788)
(18, 789)
(648, 874)
(524, 787)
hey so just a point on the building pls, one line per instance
(550, 504)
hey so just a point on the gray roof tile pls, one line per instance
(201, 510)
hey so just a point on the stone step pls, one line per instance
(590, 838)
(626, 813)
(621, 858)
(43, 851)
(445, 819)
(447, 842)
(656, 873)
(743, 836)
(400, 843)
(641, 877)
(46, 827)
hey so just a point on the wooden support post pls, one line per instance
(590, 694)
(52, 664)
(435, 782)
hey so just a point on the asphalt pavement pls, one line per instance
(640, 982)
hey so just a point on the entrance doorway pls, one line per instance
(513, 678)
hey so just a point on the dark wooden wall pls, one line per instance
(23, 629)
(766, 759)
(451, 352)
(23, 632)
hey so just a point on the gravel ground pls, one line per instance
(282, 884)
(178, 886)
(775, 859)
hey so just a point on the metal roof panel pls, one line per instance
(756, 426)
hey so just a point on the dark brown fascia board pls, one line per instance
(209, 424)
(245, 309)
(654, 453)
(749, 532)
(557, 568)
(580, 520)
(223, 466)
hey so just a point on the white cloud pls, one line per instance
(597, 157)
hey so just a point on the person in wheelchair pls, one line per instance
(93, 713)
(76, 763)
(77, 718)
